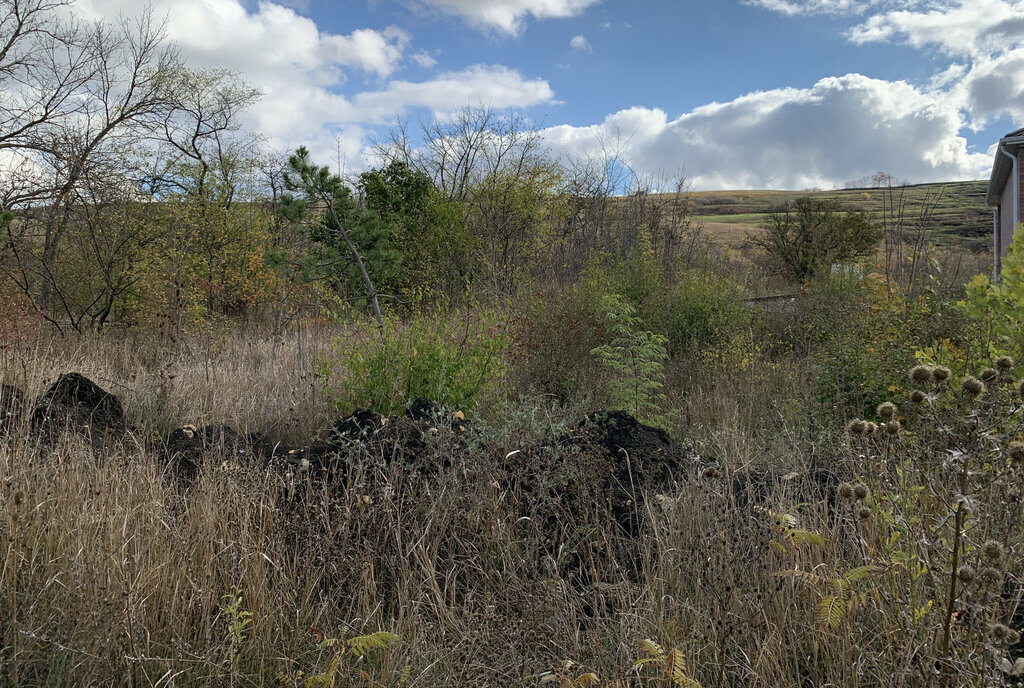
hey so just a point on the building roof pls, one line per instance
(1003, 166)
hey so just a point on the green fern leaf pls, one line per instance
(830, 612)
(361, 645)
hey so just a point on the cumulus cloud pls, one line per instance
(800, 7)
(304, 72)
(987, 35)
(508, 16)
(840, 128)
(962, 28)
(579, 42)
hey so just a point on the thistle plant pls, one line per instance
(938, 510)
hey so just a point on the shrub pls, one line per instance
(454, 361)
(636, 360)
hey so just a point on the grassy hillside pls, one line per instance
(957, 209)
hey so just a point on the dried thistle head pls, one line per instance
(918, 397)
(966, 574)
(991, 576)
(870, 428)
(892, 428)
(972, 386)
(941, 373)
(887, 410)
(845, 492)
(1005, 363)
(861, 491)
(1016, 452)
(864, 513)
(988, 374)
(921, 374)
(856, 427)
(993, 550)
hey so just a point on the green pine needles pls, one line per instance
(636, 359)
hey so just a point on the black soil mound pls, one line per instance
(12, 407)
(187, 448)
(609, 461)
(76, 402)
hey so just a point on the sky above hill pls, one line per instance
(782, 94)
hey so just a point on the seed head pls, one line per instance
(941, 373)
(845, 492)
(861, 491)
(921, 374)
(856, 427)
(19, 498)
(887, 410)
(965, 574)
(918, 397)
(892, 427)
(999, 632)
(713, 472)
(1016, 452)
(972, 386)
(1005, 363)
(988, 374)
(870, 428)
(864, 513)
(991, 576)
(993, 550)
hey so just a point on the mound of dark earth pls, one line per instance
(609, 461)
(76, 402)
(12, 406)
(186, 448)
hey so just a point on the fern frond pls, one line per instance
(805, 537)
(860, 573)
(830, 611)
(804, 576)
(362, 644)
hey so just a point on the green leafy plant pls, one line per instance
(238, 620)
(668, 665)
(345, 658)
(451, 361)
(636, 359)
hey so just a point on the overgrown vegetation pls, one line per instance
(386, 433)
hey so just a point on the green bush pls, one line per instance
(451, 360)
(636, 359)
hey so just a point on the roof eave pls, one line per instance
(1001, 169)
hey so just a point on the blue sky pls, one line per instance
(734, 94)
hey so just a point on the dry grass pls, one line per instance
(114, 575)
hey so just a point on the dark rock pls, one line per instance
(12, 407)
(74, 401)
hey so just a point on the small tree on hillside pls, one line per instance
(807, 236)
(344, 235)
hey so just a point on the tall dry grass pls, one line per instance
(115, 574)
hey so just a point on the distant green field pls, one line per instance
(954, 212)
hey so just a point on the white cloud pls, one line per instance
(961, 28)
(302, 70)
(580, 42)
(839, 129)
(508, 16)
(797, 7)
(424, 59)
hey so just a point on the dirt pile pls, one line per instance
(186, 448)
(76, 402)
